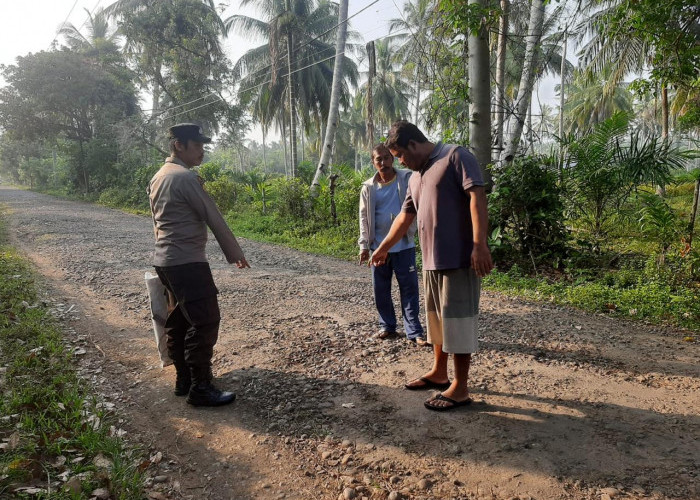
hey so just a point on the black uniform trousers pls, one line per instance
(192, 326)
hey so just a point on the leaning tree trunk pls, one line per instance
(501, 73)
(332, 124)
(480, 97)
(527, 81)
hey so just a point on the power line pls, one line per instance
(317, 37)
(307, 57)
(219, 98)
(90, 15)
(64, 23)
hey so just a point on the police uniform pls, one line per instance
(182, 211)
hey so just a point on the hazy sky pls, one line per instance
(31, 25)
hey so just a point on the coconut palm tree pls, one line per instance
(544, 56)
(390, 91)
(527, 81)
(101, 37)
(294, 62)
(588, 103)
(334, 108)
(412, 31)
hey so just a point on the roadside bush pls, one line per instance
(658, 221)
(292, 198)
(210, 171)
(527, 207)
(224, 192)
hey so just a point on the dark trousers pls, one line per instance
(403, 265)
(192, 326)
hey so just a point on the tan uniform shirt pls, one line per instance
(181, 211)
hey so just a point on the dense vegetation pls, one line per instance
(593, 204)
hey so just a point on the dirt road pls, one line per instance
(567, 405)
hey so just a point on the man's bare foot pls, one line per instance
(426, 383)
(457, 393)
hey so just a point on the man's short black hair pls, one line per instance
(379, 147)
(401, 132)
(172, 142)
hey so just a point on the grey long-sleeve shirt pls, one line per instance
(181, 211)
(368, 206)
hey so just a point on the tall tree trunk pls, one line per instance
(264, 152)
(370, 104)
(480, 97)
(527, 81)
(332, 124)
(562, 72)
(155, 106)
(83, 168)
(664, 112)
(661, 190)
(301, 136)
(284, 141)
(416, 117)
(693, 213)
(530, 132)
(292, 106)
(501, 73)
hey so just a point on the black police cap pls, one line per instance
(188, 132)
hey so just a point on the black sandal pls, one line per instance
(427, 384)
(453, 403)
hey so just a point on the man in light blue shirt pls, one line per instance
(381, 199)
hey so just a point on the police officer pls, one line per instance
(181, 211)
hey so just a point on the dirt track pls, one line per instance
(567, 405)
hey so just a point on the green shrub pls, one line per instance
(658, 221)
(527, 207)
(292, 199)
(210, 171)
(686, 189)
(224, 192)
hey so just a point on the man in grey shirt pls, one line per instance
(446, 195)
(181, 211)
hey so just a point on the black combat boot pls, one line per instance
(202, 391)
(183, 380)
